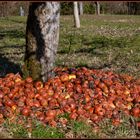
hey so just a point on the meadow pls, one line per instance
(102, 42)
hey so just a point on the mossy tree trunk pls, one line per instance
(42, 37)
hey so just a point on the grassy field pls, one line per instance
(106, 41)
(103, 42)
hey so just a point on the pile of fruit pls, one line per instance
(80, 93)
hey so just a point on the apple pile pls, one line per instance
(78, 92)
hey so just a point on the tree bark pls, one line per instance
(76, 15)
(42, 37)
(97, 8)
(81, 8)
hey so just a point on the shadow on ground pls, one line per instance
(12, 34)
(8, 67)
(16, 20)
(21, 47)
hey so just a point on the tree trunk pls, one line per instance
(81, 8)
(76, 15)
(97, 8)
(42, 36)
(132, 7)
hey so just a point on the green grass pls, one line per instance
(82, 130)
(48, 132)
(15, 130)
(73, 129)
(101, 42)
(105, 41)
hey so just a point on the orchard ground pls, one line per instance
(103, 42)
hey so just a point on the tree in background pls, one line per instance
(76, 15)
(66, 8)
(42, 36)
(11, 8)
(133, 8)
(97, 8)
(81, 8)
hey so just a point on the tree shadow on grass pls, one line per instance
(12, 34)
(1, 36)
(8, 67)
(16, 21)
(94, 46)
(21, 47)
(92, 50)
(103, 66)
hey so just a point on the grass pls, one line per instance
(105, 41)
(101, 42)
(74, 129)
(125, 130)
(47, 132)
(82, 130)
(38, 130)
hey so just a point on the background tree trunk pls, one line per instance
(42, 36)
(76, 15)
(97, 8)
(81, 8)
(4, 9)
